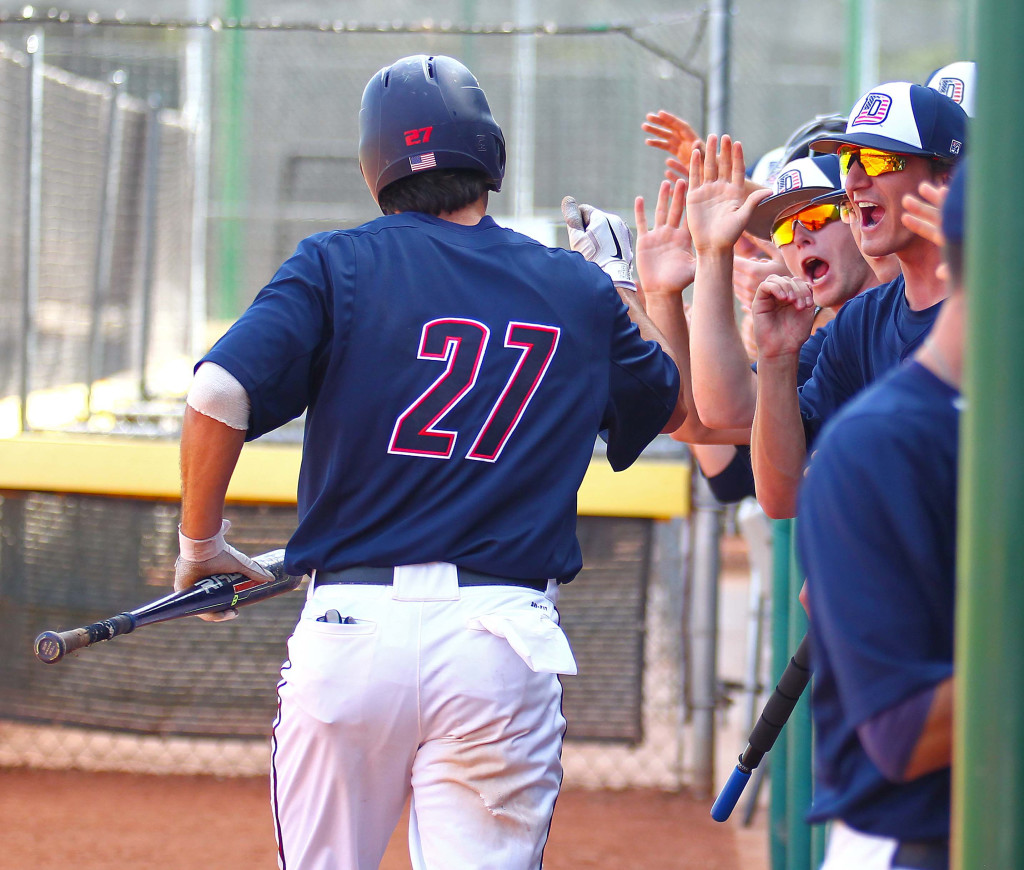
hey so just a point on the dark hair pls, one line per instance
(435, 191)
(942, 166)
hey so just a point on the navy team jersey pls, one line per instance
(454, 379)
(876, 538)
(873, 332)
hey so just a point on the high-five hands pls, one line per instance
(672, 134)
(664, 256)
(718, 205)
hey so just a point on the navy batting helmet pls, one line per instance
(422, 113)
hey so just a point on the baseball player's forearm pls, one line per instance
(914, 736)
(209, 453)
(934, 748)
(650, 332)
(666, 312)
(778, 447)
(723, 383)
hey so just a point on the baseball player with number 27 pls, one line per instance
(454, 375)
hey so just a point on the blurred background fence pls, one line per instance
(174, 152)
(160, 158)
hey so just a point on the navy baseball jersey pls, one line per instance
(876, 538)
(872, 333)
(433, 361)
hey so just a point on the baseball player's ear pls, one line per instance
(942, 176)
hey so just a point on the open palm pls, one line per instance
(664, 255)
(717, 203)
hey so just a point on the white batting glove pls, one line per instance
(602, 238)
(199, 559)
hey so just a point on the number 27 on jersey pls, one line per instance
(461, 344)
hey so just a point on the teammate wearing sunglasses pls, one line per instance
(815, 244)
(719, 208)
(898, 135)
(819, 249)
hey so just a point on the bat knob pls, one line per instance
(50, 647)
(723, 806)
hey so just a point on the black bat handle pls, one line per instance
(762, 738)
(52, 646)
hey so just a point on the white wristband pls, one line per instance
(199, 551)
(619, 271)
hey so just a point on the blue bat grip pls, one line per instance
(727, 797)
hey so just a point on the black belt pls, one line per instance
(369, 575)
(922, 855)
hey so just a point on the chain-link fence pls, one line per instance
(258, 131)
(178, 691)
(96, 236)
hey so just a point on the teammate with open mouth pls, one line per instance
(898, 135)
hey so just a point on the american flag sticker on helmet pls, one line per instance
(424, 161)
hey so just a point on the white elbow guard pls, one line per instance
(216, 393)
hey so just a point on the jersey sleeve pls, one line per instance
(274, 348)
(735, 482)
(643, 386)
(873, 545)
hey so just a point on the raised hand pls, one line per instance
(664, 259)
(675, 168)
(923, 213)
(718, 206)
(783, 313)
(672, 134)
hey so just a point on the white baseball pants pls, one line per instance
(850, 849)
(422, 695)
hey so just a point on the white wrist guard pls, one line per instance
(216, 393)
(200, 551)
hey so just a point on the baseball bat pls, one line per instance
(211, 594)
(767, 728)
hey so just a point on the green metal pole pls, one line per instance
(233, 164)
(798, 732)
(782, 534)
(988, 773)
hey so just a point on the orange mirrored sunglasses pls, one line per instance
(872, 161)
(812, 219)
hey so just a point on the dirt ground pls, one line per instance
(96, 820)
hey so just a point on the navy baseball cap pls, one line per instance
(953, 207)
(903, 118)
(797, 183)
